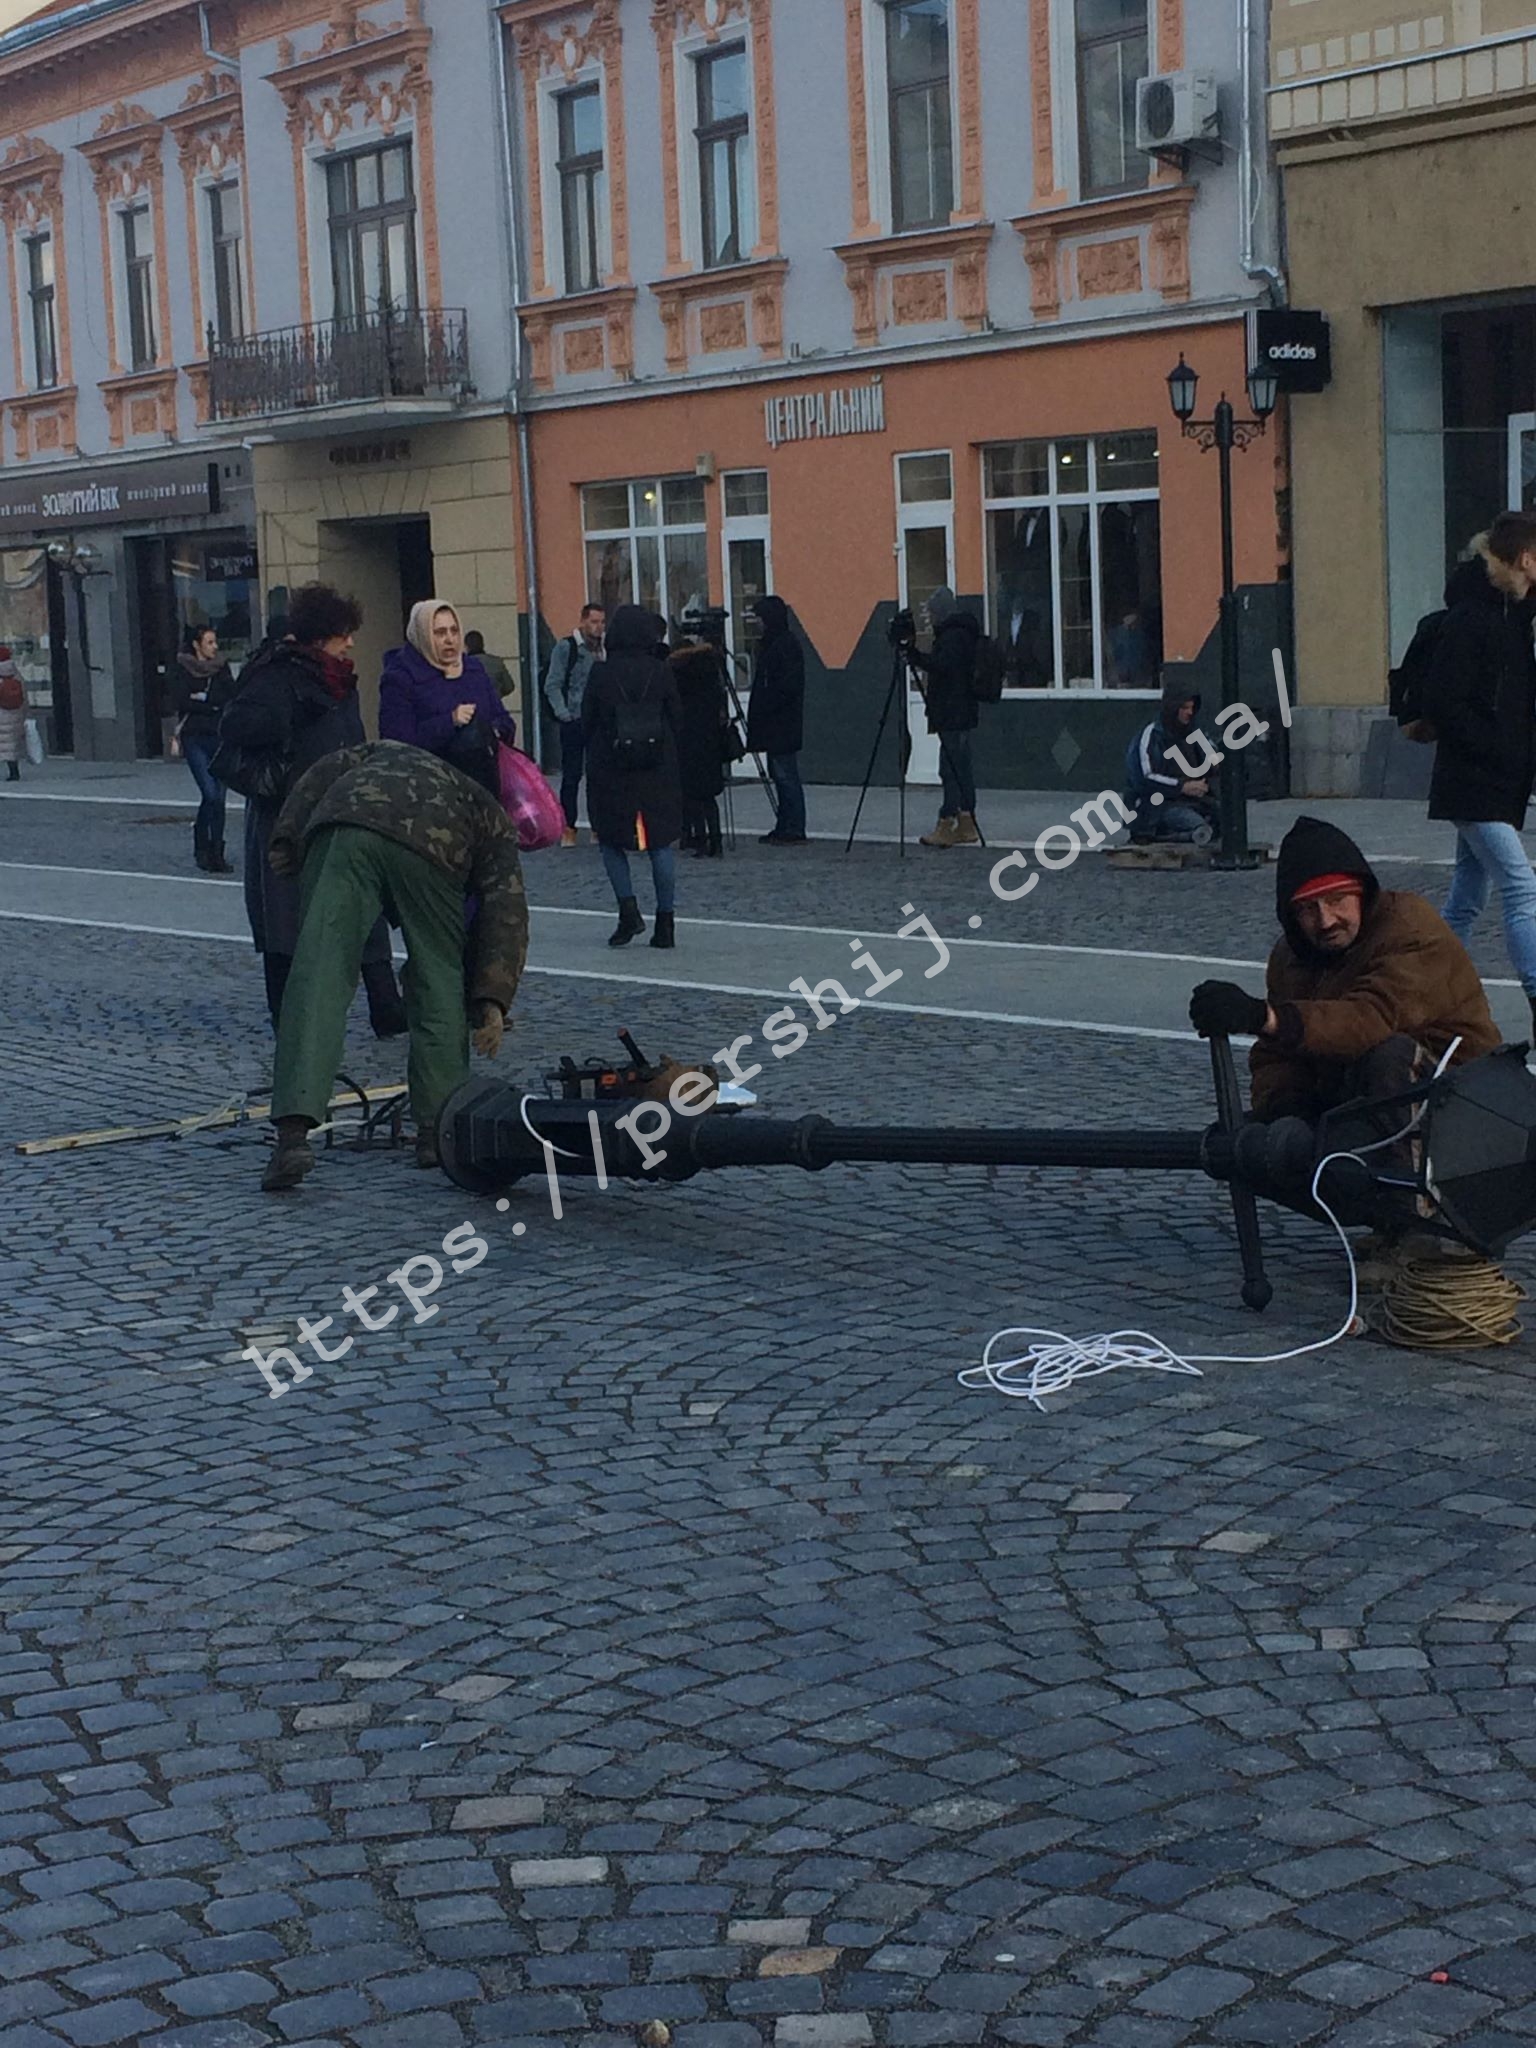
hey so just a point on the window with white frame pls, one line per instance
(139, 285)
(579, 180)
(43, 310)
(746, 540)
(226, 258)
(919, 123)
(646, 544)
(1113, 52)
(723, 133)
(1074, 570)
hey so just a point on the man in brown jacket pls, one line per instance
(1364, 994)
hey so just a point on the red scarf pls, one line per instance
(337, 674)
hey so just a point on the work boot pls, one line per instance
(664, 936)
(945, 833)
(427, 1154)
(217, 864)
(568, 836)
(630, 925)
(294, 1156)
(967, 833)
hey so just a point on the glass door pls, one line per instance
(1522, 461)
(925, 555)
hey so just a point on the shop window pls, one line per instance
(372, 206)
(918, 113)
(139, 284)
(723, 133)
(225, 242)
(746, 539)
(646, 544)
(43, 308)
(1113, 51)
(579, 176)
(1074, 575)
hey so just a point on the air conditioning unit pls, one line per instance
(1178, 111)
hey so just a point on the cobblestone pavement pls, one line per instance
(659, 1633)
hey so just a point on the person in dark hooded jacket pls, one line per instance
(948, 673)
(701, 736)
(1169, 802)
(776, 718)
(1367, 989)
(1480, 696)
(630, 715)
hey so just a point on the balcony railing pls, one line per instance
(390, 353)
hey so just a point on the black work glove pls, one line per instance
(1220, 1009)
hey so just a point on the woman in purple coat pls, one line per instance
(434, 695)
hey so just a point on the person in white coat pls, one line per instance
(13, 716)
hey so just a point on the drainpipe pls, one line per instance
(218, 56)
(1265, 273)
(532, 701)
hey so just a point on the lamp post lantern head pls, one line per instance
(1263, 391)
(1183, 388)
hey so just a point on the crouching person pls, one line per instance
(386, 828)
(1366, 991)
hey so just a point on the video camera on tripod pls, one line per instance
(901, 633)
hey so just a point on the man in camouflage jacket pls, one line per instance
(389, 828)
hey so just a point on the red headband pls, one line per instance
(1328, 885)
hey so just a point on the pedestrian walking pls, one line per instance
(631, 714)
(704, 723)
(776, 718)
(947, 679)
(391, 829)
(436, 695)
(1480, 697)
(565, 685)
(296, 703)
(503, 682)
(206, 686)
(13, 716)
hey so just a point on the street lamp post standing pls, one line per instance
(1224, 431)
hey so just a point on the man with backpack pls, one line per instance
(565, 684)
(960, 671)
(1479, 696)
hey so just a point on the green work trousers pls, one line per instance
(350, 877)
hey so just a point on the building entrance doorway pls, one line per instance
(386, 564)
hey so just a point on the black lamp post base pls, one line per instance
(1235, 863)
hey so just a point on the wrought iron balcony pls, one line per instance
(391, 353)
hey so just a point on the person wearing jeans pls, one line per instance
(956, 773)
(206, 686)
(784, 772)
(1480, 697)
(565, 686)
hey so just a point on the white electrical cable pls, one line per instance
(538, 1136)
(1053, 1362)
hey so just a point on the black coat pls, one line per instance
(1480, 695)
(200, 702)
(776, 711)
(282, 705)
(705, 712)
(635, 673)
(950, 669)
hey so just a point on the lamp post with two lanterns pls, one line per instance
(1224, 431)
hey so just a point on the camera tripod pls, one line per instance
(739, 718)
(901, 666)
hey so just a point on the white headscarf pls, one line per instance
(418, 628)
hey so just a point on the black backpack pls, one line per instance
(1405, 684)
(639, 733)
(990, 669)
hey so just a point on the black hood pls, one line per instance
(961, 622)
(1470, 583)
(774, 613)
(1175, 694)
(1313, 848)
(634, 630)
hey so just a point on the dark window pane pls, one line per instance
(373, 238)
(581, 122)
(917, 42)
(723, 86)
(1112, 55)
(1111, 17)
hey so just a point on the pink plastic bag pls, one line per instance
(528, 800)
